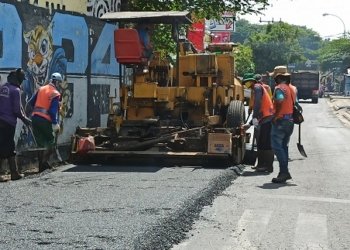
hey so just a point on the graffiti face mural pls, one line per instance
(40, 50)
(42, 43)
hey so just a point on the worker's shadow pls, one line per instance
(271, 185)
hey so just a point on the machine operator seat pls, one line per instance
(128, 47)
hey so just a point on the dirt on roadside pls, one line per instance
(341, 107)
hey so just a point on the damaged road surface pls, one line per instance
(107, 207)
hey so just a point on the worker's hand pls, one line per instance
(246, 126)
(55, 128)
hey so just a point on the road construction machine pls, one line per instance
(189, 113)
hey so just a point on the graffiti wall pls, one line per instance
(97, 8)
(77, 46)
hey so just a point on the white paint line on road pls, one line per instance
(249, 229)
(311, 232)
(304, 198)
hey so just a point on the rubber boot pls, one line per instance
(2, 172)
(282, 178)
(15, 175)
(267, 158)
(44, 161)
(260, 163)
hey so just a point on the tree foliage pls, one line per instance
(277, 45)
(297, 42)
(335, 54)
(244, 60)
(209, 9)
(244, 30)
(201, 8)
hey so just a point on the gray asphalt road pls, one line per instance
(310, 212)
(106, 207)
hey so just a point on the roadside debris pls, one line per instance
(341, 106)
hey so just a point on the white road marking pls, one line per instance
(311, 232)
(249, 229)
(306, 198)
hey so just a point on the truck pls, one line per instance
(188, 112)
(307, 83)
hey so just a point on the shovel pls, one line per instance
(59, 157)
(301, 147)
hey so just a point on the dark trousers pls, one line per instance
(264, 136)
(7, 143)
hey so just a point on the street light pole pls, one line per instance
(328, 14)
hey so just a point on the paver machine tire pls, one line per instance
(235, 117)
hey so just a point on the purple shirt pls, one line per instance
(10, 104)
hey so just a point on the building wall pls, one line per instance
(89, 7)
(69, 5)
(41, 42)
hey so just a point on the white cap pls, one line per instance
(56, 77)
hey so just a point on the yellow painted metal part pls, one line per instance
(196, 95)
(145, 90)
(187, 69)
(205, 82)
(227, 69)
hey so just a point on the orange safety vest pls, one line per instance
(268, 89)
(266, 108)
(286, 107)
(43, 101)
(266, 103)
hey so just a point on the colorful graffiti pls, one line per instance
(40, 50)
(97, 8)
(42, 43)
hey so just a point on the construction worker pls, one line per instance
(10, 110)
(45, 118)
(282, 126)
(262, 108)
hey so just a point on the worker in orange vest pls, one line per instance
(284, 98)
(45, 118)
(262, 108)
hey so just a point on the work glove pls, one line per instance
(55, 128)
(255, 122)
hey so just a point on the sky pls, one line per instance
(308, 13)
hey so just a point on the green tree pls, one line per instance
(335, 54)
(209, 9)
(200, 8)
(244, 60)
(244, 30)
(277, 45)
(310, 41)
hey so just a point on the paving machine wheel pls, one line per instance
(235, 117)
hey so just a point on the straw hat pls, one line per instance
(279, 70)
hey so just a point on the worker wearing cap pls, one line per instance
(282, 126)
(45, 117)
(262, 107)
(10, 110)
